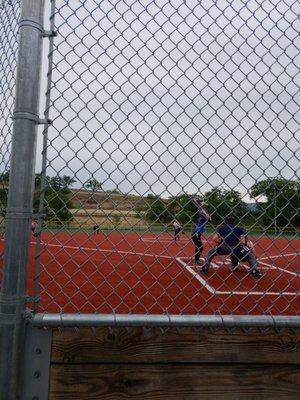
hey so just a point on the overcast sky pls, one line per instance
(172, 96)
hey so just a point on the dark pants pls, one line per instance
(237, 254)
(176, 233)
(96, 229)
(196, 237)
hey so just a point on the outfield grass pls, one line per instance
(255, 231)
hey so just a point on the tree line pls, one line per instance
(280, 206)
(56, 192)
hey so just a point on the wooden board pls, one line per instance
(174, 381)
(132, 345)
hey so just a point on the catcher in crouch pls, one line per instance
(232, 240)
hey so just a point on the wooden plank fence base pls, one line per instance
(185, 363)
(174, 381)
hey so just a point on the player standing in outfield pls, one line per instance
(232, 240)
(177, 229)
(202, 219)
(96, 229)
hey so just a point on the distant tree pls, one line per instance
(158, 210)
(116, 219)
(114, 191)
(3, 200)
(183, 208)
(55, 182)
(4, 177)
(282, 201)
(221, 202)
(4, 180)
(93, 184)
(68, 181)
(57, 206)
(60, 182)
(151, 196)
(57, 201)
(37, 180)
(57, 196)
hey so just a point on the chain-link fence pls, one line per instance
(167, 181)
(9, 15)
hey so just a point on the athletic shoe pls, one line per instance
(255, 273)
(204, 269)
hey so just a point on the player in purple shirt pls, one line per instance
(232, 240)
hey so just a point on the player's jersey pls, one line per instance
(200, 223)
(34, 226)
(176, 225)
(230, 234)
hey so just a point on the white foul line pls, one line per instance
(280, 255)
(267, 266)
(278, 268)
(166, 240)
(212, 290)
(195, 274)
(62, 246)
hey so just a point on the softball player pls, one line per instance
(232, 240)
(201, 220)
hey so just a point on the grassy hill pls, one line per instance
(108, 209)
(107, 200)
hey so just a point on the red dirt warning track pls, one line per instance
(150, 273)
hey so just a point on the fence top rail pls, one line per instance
(227, 321)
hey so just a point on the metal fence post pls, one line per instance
(19, 210)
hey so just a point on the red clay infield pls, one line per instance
(150, 273)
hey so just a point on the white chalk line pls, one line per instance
(188, 267)
(95, 249)
(267, 266)
(211, 289)
(280, 255)
(171, 240)
(196, 275)
(278, 268)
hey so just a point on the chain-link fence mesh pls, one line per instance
(9, 16)
(168, 117)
